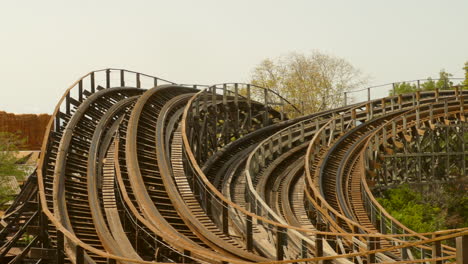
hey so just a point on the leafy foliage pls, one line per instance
(404, 87)
(440, 207)
(443, 83)
(465, 82)
(9, 145)
(315, 81)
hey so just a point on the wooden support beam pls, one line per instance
(371, 246)
(60, 255)
(80, 91)
(436, 251)
(280, 242)
(79, 255)
(138, 82)
(462, 249)
(186, 257)
(249, 230)
(92, 83)
(225, 218)
(107, 78)
(122, 78)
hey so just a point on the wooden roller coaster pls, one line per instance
(138, 169)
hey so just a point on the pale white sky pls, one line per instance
(46, 45)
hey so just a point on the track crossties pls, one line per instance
(138, 169)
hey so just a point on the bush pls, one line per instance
(9, 145)
(409, 207)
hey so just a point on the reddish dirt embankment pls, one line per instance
(29, 126)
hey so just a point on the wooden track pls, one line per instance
(137, 169)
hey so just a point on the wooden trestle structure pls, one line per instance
(137, 169)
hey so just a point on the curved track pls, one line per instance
(137, 169)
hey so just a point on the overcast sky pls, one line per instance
(46, 45)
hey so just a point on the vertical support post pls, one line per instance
(138, 81)
(371, 246)
(236, 110)
(60, 248)
(267, 113)
(418, 97)
(302, 132)
(155, 82)
(319, 246)
(345, 99)
(67, 103)
(404, 252)
(249, 230)
(249, 110)
(79, 255)
(57, 123)
(383, 227)
(80, 91)
(462, 249)
(43, 225)
(186, 257)
(353, 117)
(368, 94)
(93, 85)
(436, 251)
(107, 78)
(304, 249)
(383, 106)
(280, 236)
(400, 101)
(394, 89)
(225, 113)
(122, 78)
(207, 202)
(224, 95)
(225, 218)
(214, 119)
(355, 245)
(378, 224)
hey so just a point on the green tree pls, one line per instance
(404, 87)
(443, 83)
(9, 145)
(408, 207)
(315, 81)
(431, 207)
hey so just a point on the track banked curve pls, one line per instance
(138, 169)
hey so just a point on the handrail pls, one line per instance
(202, 177)
(370, 142)
(408, 81)
(60, 118)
